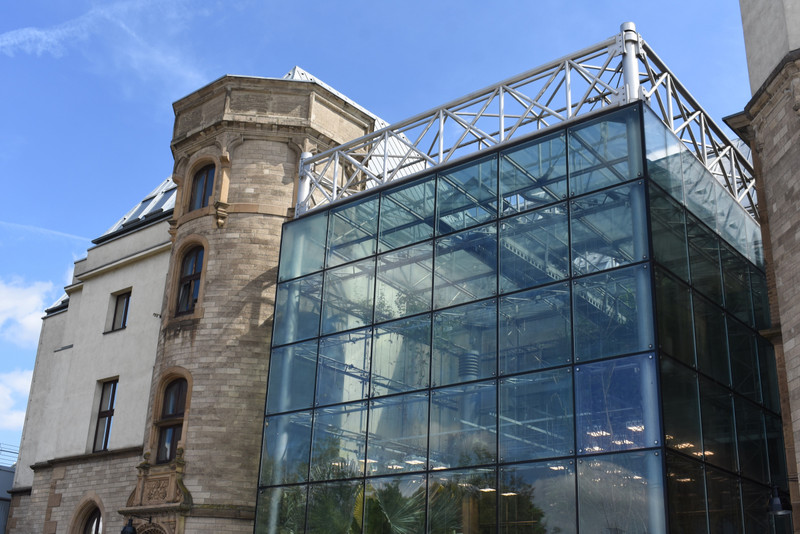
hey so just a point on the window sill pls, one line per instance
(115, 330)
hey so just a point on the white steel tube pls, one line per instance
(630, 63)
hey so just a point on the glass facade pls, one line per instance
(559, 336)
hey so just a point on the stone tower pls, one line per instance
(236, 143)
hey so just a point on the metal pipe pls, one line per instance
(303, 185)
(630, 63)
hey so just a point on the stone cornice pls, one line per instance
(89, 457)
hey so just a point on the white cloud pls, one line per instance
(21, 310)
(14, 387)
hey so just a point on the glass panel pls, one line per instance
(401, 356)
(536, 416)
(348, 296)
(769, 375)
(756, 520)
(616, 403)
(686, 495)
(621, 493)
(335, 507)
(534, 174)
(407, 214)
(398, 434)
(534, 248)
(351, 231)
(281, 510)
(343, 368)
(303, 246)
(752, 441)
(663, 155)
(466, 267)
(744, 360)
(467, 195)
(700, 191)
(674, 312)
(704, 260)
(758, 286)
(605, 151)
(719, 437)
(538, 498)
(668, 226)
(297, 307)
(776, 451)
(711, 340)
(395, 505)
(291, 377)
(286, 445)
(464, 343)
(724, 505)
(404, 282)
(463, 426)
(463, 502)
(613, 313)
(736, 279)
(608, 229)
(681, 408)
(337, 449)
(535, 329)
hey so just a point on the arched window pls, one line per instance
(202, 188)
(170, 422)
(189, 282)
(94, 523)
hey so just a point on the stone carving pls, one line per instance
(155, 491)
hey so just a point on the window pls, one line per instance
(121, 311)
(94, 523)
(189, 283)
(171, 420)
(202, 188)
(104, 416)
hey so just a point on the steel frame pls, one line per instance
(617, 71)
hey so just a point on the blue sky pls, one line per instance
(87, 88)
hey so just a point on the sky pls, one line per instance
(87, 89)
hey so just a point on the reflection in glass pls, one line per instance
(668, 226)
(751, 440)
(535, 329)
(533, 174)
(466, 266)
(462, 501)
(736, 280)
(608, 229)
(723, 502)
(335, 507)
(395, 505)
(352, 230)
(769, 375)
(758, 285)
(297, 305)
(704, 260)
(467, 195)
(613, 313)
(616, 403)
(401, 355)
(686, 495)
(348, 296)
(303, 246)
(343, 368)
(406, 214)
(663, 155)
(681, 408)
(398, 434)
(292, 371)
(621, 493)
(719, 436)
(463, 425)
(776, 451)
(534, 248)
(286, 445)
(674, 307)
(337, 449)
(700, 189)
(744, 360)
(281, 510)
(404, 282)
(710, 340)
(538, 497)
(604, 151)
(753, 499)
(536, 416)
(464, 343)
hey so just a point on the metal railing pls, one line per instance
(620, 70)
(8, 454)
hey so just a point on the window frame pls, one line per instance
(105, 415)
(123, 320)
(93, 524)
(206, 174)
(189, 284)
(170, 423)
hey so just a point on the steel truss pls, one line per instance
(620, 70)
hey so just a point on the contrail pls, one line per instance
(37, 229)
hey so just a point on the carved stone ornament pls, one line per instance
(155, 491)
